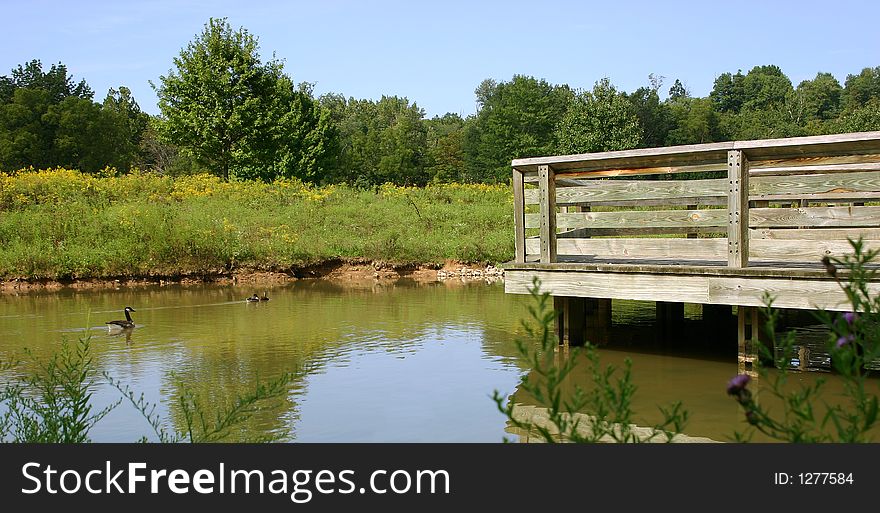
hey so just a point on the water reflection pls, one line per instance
(374, 361)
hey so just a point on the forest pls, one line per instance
(225, 111)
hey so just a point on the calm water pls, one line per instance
(398, 363)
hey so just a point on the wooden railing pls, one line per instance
(778, 201)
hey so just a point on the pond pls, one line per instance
(375, 362)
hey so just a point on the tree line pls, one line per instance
(226, 111)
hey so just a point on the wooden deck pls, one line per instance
(718, 223)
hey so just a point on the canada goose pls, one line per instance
(122, 325)
(253, 299)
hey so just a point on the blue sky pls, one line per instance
(436, 53)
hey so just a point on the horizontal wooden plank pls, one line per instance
(812, 170)
(687, 289)
(634, 190)
(684, 250)
(702, 154)
(645, 171)
(794, 250)
(706, 289)
(760, 186)
(817, 164)
(824, 197)
(814, 216)
(638, 232)
(635, 219)
(815, 233)
(653, 248)
(802, 294)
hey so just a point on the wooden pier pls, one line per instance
(713, 224)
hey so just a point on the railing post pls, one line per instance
(737, 209)
(547, 196)
(519, 217)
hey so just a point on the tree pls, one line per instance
(653, 115)
(694, 121)
(380, 142)
(678, 91)
(728, 93)
(765, 87)
(47, 120)
(237, 115)
(128, 125)
(818, 99)
(861, 88)
(445, 141)
(515, 119)
(56, 82)
(861, 119)
(598, 120)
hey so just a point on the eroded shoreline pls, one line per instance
(336, 270)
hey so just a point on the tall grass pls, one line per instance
(62, 224)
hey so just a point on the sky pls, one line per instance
(436, 53)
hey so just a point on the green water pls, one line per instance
(395, 363)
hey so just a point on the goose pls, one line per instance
(253, 299)
(127, 324)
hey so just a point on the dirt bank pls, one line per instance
(337, 270)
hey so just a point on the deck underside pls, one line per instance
(803, 286)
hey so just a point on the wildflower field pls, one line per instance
(63, 224)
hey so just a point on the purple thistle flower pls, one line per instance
(850, 317)
(737, 384)
(842, 341)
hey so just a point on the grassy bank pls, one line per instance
(61, 224)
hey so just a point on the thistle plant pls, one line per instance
(53, 404)
(852, 344)
(602, 413)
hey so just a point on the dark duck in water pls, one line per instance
(127, 324)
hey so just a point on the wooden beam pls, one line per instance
(832, 217)
(519, 220)
(788, 292)
(610, 191)
(760, 186)
(737, 209)
(747, 340)
(547, 194)
(681, 219)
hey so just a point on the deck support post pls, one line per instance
(748, 330)
(598, 318)
(582, 319)
(670, 318)
(547, 200)
(737, 209)
(519, 219)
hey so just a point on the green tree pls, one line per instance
(515, 119)
(765, 87)
(728, 94)
(653, 115)
(818, 99)
(862, 88)
(128, 125)
(678, 91)
(445, 141)
(237, 115)
(861, 119)
(384, 141)
(56, 82)
(694, 121)
(599, 120)
(46, 120)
